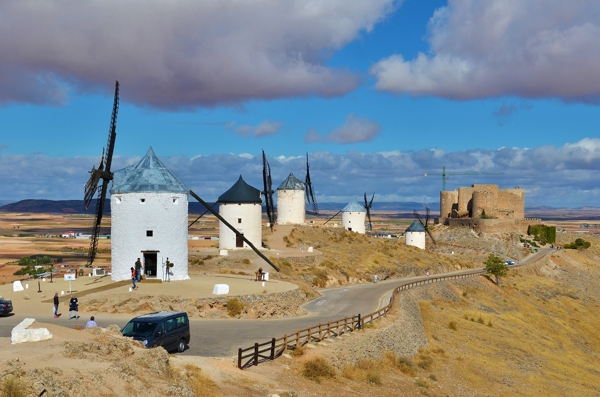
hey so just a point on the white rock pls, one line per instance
(20, 333)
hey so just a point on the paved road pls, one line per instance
(222, 338)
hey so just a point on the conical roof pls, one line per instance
(149, 175)
(416, 226)
(291, 183)
(241, 192)
(354, 207)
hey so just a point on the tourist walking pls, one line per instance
(133, 278)
(56, 315)
(73, 307)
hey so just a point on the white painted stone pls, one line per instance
(246, 218)
(20, 333)
(223, 252)
(310, 249)
(166, 214)
(17, 286)
(221, 289)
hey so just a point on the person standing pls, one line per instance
(73, 307)
(133, 278)
(138, 269)
(56, 315)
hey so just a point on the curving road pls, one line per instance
(222, 338)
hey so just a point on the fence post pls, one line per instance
(358, 324)
(284, 343)
(328, 330)
(273, 349)
(256, 354)
(240, 358)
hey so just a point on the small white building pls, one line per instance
(353, 217)
(291, 202)
(241, 206)
(149, 216)
(415, 235)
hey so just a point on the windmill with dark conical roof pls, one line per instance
(291, 205)
(241, 206)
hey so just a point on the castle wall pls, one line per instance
(465, 195)
(494, 225)
(448, 200)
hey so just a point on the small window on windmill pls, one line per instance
(239, 220)
(175, 200)
(118, 200)
(149, 233)
(142, 200)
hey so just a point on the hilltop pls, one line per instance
(534, 335)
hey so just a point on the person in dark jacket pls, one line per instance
(56, 315)
(73, 307)
(138, 269)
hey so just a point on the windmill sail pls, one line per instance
(268, 190)
(310, 194)
(101, 173)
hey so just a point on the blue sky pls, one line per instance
(377, 92)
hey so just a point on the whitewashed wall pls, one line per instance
(166, 214)
(354, 221)
(291, 207)
(251, 225)
(416, 239)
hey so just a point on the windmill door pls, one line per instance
(239, 242)
(150, 264)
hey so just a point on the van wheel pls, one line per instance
(181, 346)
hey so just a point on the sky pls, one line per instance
(378, 93)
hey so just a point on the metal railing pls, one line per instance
(274, 348)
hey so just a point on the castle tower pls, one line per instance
(448, 202)
(353, 217)
(149, 217)
(241, 206)
(291, 202)
(415, 235)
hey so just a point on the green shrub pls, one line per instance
(579, 244)
(234, 307)
(316, 369)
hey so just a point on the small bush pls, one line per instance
(480, 320)
(316, 369)
(246, 261)
(452, 326)
(406, 366)
(12, 386)
(422, 383)
(201, 385)
(234, 307)
(489, 324)
(425, 362)
(373, 377)
(298, 351)
(433, 377)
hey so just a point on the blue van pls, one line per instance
(170, 330)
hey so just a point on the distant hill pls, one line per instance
(399, 209)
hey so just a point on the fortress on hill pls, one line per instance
(485, 208)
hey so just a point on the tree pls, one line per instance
(495, 266)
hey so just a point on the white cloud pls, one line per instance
(557, 176)
(179, 54)
(528, 49)
(355, 129)
(267, 127)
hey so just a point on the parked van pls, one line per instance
(171, 330)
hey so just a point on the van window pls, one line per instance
(171, 324)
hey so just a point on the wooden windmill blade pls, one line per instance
(101, 173)
(310, 193)
(368, 206)
(418, 216)
(332, 217)
(268, 190)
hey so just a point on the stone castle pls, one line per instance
(485, 208)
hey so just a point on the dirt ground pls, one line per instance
(465, 362)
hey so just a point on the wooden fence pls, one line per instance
(274, 348)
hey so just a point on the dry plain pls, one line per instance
(534, 335)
